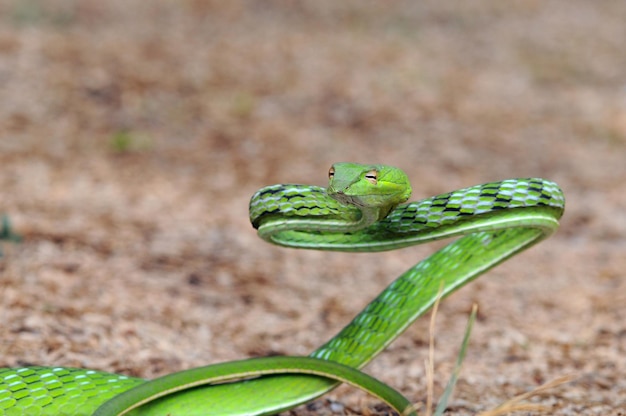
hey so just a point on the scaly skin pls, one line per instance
(494, 220)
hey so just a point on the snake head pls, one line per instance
(368, 186)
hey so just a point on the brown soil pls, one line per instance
(133, 134)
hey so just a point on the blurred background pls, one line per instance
(133, 133)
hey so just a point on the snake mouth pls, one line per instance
(349, 199)
(339, 196)
(345, 199)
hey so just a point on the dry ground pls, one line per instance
(132, 134)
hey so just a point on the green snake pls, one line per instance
(362, 209)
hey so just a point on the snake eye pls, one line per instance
(372, 176)
(331, 172)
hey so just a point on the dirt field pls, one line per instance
(133, 133)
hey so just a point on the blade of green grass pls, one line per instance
(447, 393)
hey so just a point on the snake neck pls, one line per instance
(369, 215)
(372, 209)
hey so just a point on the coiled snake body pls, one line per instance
(363, 209)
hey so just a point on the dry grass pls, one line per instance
(516, 404)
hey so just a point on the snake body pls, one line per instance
(362, 209)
